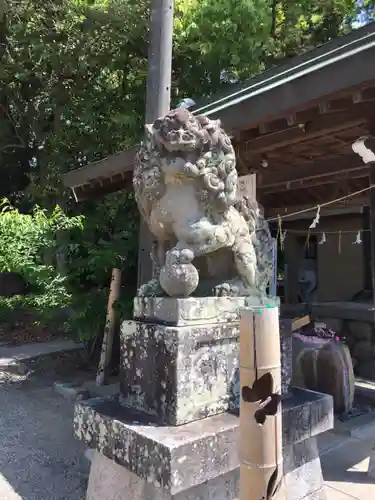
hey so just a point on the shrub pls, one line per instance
(24, 241)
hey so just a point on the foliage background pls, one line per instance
(72, 91)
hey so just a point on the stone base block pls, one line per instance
(111, 481)
(179, 459)
(177, 374)
(302, 471)
(302, 480)
(195, 310)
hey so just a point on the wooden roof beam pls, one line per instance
(107, 168)
(316, 126)
(316, 173)
(281, 204)
(271, 212)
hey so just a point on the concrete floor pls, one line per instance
(345, 462)
(39, 458)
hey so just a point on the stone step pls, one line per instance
(354, 425)
(14, 358)
(75, 391)
(365, 388)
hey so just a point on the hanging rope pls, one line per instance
(318, 207)
(282, 239)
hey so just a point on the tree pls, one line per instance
(72, 91)
(69, 71)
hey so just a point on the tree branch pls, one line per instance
(273, 19)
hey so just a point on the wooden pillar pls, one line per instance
(291, 263)
(366, 247)
(158, 98)
(372, 224)
(372, 212)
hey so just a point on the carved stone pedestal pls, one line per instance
(169, 434)
(198, 460)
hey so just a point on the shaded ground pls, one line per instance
(39, 457)
(23, 326)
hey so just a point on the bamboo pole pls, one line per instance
(109, 330)
(260, 448)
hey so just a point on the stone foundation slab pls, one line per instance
(177, 459)
(302, 480)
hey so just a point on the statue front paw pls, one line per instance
(231, 288)
(151, 289)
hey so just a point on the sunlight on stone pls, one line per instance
(6, 490)
(361, 466)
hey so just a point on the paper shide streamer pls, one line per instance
(315, 222)
(357, 240)
(323, 239)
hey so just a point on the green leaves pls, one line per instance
(24, 241)
(72, 91)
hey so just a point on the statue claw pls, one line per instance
(151, 289)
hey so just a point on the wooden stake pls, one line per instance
(109, 330)
(300, 322)
(260, 449)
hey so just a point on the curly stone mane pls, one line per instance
(207, 152)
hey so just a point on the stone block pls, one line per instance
(306, 414)
(13, 366)
(286, 351)
(70, 391)
(329, 369)
(302, 469)
(363, 350)
(195, 310)
(111, 481)
(178, 374)
(173, 458)
(196, 460)
(366, 369)
(360, 330)
(178, 458)
(300, 344)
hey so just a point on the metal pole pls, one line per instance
(158, 98)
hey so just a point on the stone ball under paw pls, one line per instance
(179, 280)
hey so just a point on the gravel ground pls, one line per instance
(39, 457)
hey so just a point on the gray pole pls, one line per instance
(158, 99)
(158, 96)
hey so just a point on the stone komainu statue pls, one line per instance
(208, 243)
